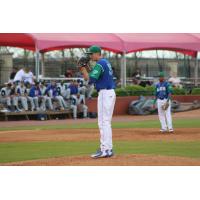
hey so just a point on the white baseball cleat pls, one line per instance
(163, 130)
(171, 130)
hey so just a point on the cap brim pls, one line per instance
(88, 52)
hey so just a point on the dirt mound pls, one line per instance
(119, 160)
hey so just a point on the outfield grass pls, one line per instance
(178, 123)
(21, 151)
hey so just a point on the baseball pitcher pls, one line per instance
(101, 75)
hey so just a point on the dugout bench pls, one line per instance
(27, 114)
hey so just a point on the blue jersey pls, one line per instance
(34, 92)
(102, 75)
(163, 90)
(53, 89)
(73, 89)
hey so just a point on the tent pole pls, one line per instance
(37, 64)
(42, 64)
(196, 71)
(123, 70)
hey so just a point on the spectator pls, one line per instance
(136, 76)
(115, 77)
(175, 81)
(68, 74)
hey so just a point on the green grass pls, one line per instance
(20, 151)
(178, 123)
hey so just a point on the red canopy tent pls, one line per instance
(117, 42)
(122, 43)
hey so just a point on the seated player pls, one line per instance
(21, 96)
(29, 98)
(36, 95)
(46, 101)
(6, 96)
(52, 92)
(81, 106)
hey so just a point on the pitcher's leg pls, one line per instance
(108, 107)
(100, 119)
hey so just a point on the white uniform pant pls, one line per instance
(34, 102)
(6, 100)
(46, 102)
(74, 110)
(23, 100)
(90, 90)
(83, 108)
(165, 116)
(66, 93)
(106, 103)
(61, 102)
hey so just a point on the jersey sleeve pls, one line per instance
(96, 73)
(18, 76)
(169, 88)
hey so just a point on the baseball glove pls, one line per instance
(165, 106)
(84, 62)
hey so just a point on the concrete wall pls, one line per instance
(122, 103)
(6, 65)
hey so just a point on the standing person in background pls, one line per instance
(13, 73)
(136, 76)
(24, 75)
(68, 74)
(163, 92)
(101, 76)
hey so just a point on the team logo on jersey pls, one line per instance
(160, 89)
(3, 93)
(95, 72)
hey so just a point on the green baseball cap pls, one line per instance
(94, 49)
(161, 74)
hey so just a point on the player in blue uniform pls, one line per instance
(101, 76)
(163, 93)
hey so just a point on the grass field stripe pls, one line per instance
(21, 151)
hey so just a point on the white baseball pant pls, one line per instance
(164, 115)
(106, 103)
